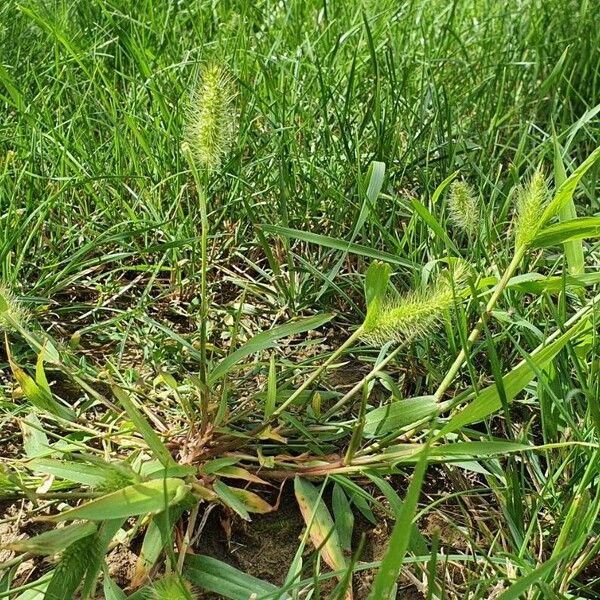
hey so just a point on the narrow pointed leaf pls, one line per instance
(151, 438)
(220, 578)
(53, 541)
(399, 540)
(488, 400)
(399, 414)
(264, 340)
(573, 248)
(142, 498)
(323, 533)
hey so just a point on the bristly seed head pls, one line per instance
(210, 119)
(171, 587)
(11, 311)
(415, 314)
(464, 207)
(530, 209)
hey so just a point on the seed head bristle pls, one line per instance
(210, 119)
(172, 587)
(415, 314)
(12, 311)
(464, 208)
(530, 209)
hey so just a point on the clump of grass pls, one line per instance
(210, 119)
(12, 312)
(464, 208)
(530, 209)
(416, 313)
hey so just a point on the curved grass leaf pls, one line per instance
(567, 231)
(322, 529)
(151, 438)
(264, 340)
(231, 499)
(77, 472)
(399, 414)
(37, 395)
(139, 499)
(488, 400)
(337, 244)
(220, 578)
(53, 541)
(573, 248)
(565, 192)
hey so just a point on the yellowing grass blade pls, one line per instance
(322, 531)
(139, 499)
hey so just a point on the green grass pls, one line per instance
(163, 362)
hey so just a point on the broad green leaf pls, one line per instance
(344, 517)
(35, 441)
(322, 530)
(337, 244)
(440, 188)
(150, 437)
(139, 499)
(220, 578)
(264, 340)
(565, 192)
(376, 283)
(111, 590)
(563, 233)
(399, 414)
(573, 248)
(38, 396)
(214, 466)
(252, 502)
(477, 449)
(393, 558)
(53, 541)
(536, 283)
(231, 499)
(488, 400)
(40, 373)
(76, 472)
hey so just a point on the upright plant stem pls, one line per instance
(476, 332)
(201, 181)
(368, 377)
(204, 419)
(316, 374)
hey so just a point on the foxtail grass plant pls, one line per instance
(208, 137)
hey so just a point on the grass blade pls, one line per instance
(391, 564)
